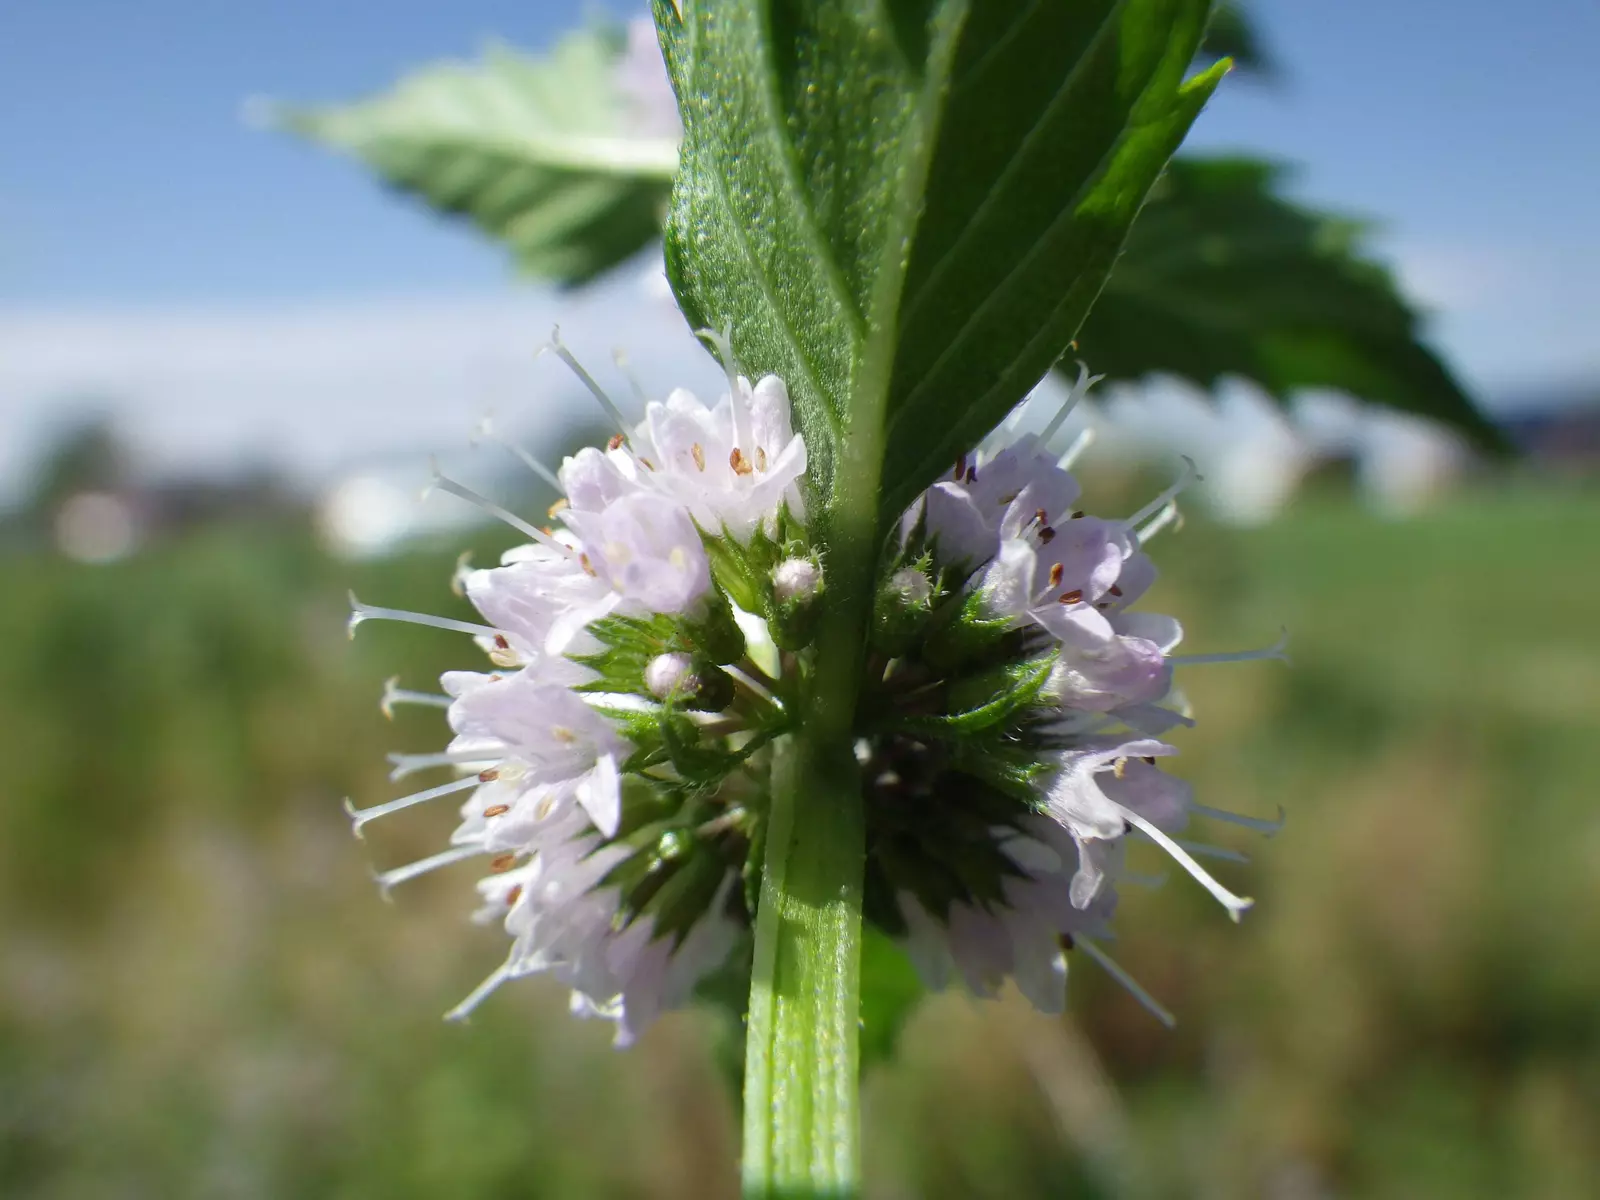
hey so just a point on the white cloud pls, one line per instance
(314, 385)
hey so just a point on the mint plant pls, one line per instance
(842, 651)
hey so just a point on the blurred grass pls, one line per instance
(201, 995)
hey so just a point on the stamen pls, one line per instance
(394, 694)
(479, 994)
(1079, 390)
(360, 816)
(1168, 515)
(1075, 596)
(722, 342)
(497, 810)
(389, 879)
(587, 380)
(1189, 475)
(1046, 535)
(1278, 650)
(739, 463)
(360, 612)
(1207, 850)
(1110, 966)
(1075, 451)
(1261, 826)
(445, 484)
(1234, 904)
(1056, 572)
(697, 452)
(487, 432)
(410, 764)
(620, 357)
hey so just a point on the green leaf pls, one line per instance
(904, 210)
(890, 990)
(535, 151)
(1009, 149)
(1221, 276)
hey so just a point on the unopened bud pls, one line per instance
(669, 673)
(796, 579)
(903, 607)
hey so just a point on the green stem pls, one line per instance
(800, 1112)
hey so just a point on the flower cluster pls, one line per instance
(644, 654)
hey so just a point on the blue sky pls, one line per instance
(134, 199)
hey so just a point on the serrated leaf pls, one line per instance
(541, 152)
(906, 212)
(1222, 276)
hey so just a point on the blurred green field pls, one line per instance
(201, 994)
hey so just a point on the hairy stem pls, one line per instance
(800, 1110)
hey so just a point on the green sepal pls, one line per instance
(970, 633)
(898, 620)
(715, 635)
(698, 764)
(990, 699)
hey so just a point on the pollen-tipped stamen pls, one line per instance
(387, 881)
(1234, 904)
(361, 816)
(394, 694)
(360, 612)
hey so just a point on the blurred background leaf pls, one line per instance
(1222, 277)
(548, 154)
(1232, 34)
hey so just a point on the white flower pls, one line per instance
(731, 466)
(648, 551)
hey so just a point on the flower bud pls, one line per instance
(796, 584)
(905, 601)
(693, 684)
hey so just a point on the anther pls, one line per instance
(1114, 590)
(1149, 758)
(1056, 572)
(761, 458)
(1077, 515)
(1046, 535)
(616, 442)
(697, 452)
(1072, 597)
(497, 810)
(513, 895)
(502, 862)
(488, 774)
(739, 463)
